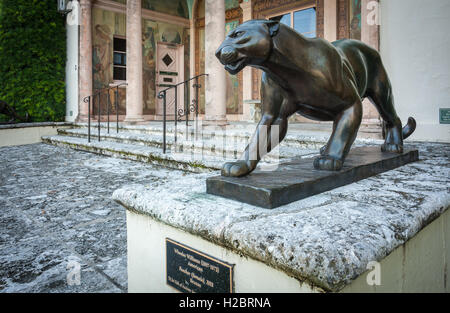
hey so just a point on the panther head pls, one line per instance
(248, 44)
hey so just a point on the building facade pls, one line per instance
(152, 44)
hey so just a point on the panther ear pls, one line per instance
(274, 27)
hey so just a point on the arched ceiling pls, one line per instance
(181, 8)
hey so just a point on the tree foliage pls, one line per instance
(32, 58)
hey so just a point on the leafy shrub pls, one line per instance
(32, 58)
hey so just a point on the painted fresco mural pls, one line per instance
(233, 92)
(172, 7)
(149, 38)
(108, 24)
(355, 19)
(231, 4)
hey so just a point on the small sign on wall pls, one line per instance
(444, 116)
(191, 271)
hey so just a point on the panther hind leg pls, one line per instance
(379, 92)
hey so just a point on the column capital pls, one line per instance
(246, 5)
(86, 3)
(134, 5)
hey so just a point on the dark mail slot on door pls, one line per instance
(168, 80)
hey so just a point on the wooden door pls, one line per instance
(170, 71)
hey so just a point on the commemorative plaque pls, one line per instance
(444, 116)
(191, 271)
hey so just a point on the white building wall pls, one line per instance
(415, 46)
(72, 26)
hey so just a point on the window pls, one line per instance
(120, 59)
(303, 21)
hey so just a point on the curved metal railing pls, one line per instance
(179, 113)
(91, 99)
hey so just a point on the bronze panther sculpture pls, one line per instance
(320, 80)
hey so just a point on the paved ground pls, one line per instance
(56, 214)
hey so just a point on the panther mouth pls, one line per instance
(236, 66)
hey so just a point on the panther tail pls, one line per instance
(409, 128)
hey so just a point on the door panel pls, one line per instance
(170, 71)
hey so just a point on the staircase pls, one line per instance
(206, 153)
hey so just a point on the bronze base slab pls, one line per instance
(297, 179)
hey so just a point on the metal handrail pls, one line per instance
(116, 104)
(180, 113)
(176, 85)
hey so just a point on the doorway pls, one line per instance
(169, 72)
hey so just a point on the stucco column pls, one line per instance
(192, 32)
(247, 80)
(85, 66)
(370, 27)
(134, 62)
(215, 89)
(370, 35)
(330, 20)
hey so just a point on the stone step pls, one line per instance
(227, 147)
(240, 133)
(303, 136)
(208, 152)
(192, 162)
(141, 153)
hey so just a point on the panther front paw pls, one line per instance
(327, 163)
(393, 148)
(236, 169)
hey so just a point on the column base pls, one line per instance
(81, 118)
(371, 128)
(133, 119)
(254, 111)
(215, 121)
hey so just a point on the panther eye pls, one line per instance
(238, 34)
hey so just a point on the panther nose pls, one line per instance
(226, 54)
(218, 52)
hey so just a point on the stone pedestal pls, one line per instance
(134, 63)
(388, 233)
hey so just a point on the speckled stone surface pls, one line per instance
(55, 208)
(42, 124)
(326, 240)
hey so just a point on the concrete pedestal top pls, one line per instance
(326, 240)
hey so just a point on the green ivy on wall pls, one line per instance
(32, 59)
